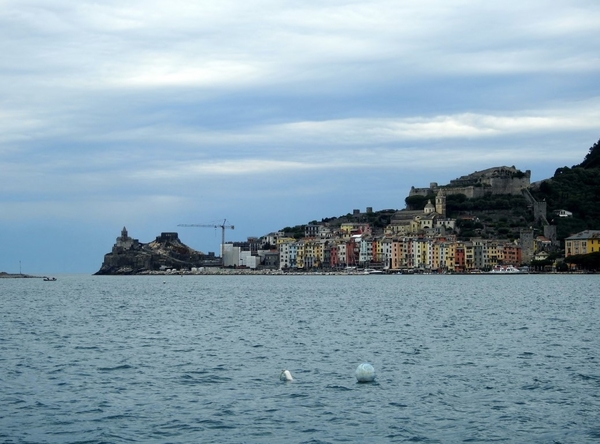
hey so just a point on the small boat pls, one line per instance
(505, 269)
(46, 278)
(372, 271)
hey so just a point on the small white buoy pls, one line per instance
(365, 372)
(286, 375)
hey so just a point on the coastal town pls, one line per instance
(414, 241)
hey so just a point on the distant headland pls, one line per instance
(4, 274)
(166, 252)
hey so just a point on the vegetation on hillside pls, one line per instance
(297, 232)
(575, 189)
(592, 159)
(416, 202)
(459, 203)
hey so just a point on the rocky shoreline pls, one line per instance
(3, 274)
(130, 256)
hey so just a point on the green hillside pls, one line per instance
(575, 189)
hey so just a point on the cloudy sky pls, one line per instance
(149, 114)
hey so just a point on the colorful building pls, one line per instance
(584, 242)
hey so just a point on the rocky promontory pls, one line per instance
(4, 274)
(130, 256)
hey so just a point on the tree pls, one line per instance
(418, 202)
(577, 190)
(592, 159)
(589, 262)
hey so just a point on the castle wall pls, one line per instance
(495, 185)
(420, 191)
(508, 185)
(471, 191)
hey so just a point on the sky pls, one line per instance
(267, 114)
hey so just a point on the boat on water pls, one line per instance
(505, 269)
(372, 271)
(46, 278)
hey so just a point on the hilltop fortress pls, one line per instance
(497, 180)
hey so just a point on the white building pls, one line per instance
(563, 213)
(231, 255)
(365, 254)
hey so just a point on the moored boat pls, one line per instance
(505, 269)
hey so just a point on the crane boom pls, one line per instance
(222, 226)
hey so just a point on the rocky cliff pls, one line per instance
(129, 256)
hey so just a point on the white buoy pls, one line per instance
(365, 372)
(286, 375)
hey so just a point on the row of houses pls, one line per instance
(355, 245)
(414, 240)
(442, 253)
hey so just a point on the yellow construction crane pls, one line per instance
(222, 226)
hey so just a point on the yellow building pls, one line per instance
(285, 240)
(469, 255)
(300, 254)
(310, 254)
(585, 242)
(376, 250)
(494, 254)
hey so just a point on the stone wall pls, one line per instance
(500, 180)
(509, 185)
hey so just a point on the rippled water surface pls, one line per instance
(197, 359)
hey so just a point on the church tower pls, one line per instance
(440, 203)
(124, 241)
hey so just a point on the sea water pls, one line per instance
(197, 359)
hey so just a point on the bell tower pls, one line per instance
(440, 203)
